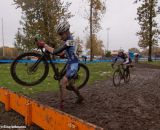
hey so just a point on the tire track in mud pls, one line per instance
(128, 107)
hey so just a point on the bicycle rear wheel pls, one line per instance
(117, 76)
(80, 78)
(29, 69)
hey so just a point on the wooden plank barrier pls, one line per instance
(44, 116)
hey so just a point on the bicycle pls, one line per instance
(37, 69)
(120, 74)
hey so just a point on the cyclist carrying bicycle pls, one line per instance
(69, 49)
(125, 57)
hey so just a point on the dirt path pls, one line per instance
(132, 106)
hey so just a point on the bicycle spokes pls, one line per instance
(30, 70)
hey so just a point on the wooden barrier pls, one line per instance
(44, 116)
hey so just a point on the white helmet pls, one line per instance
(120, 50)
(62, 27)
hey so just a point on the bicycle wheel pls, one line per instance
(80, 78)
(117, 76)
(29, 69)
(127, 76)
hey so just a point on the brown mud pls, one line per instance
(131, 106)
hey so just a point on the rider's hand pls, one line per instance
(62, 55)
(41, 44)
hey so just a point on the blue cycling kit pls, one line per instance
(70, 50)
(125, 57)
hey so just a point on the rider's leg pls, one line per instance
(63, 84)
(73, 68)
(80, 97)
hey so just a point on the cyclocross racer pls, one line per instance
(69, 49)
(126, 58)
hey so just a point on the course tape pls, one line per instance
(64, 61)
(55, 61)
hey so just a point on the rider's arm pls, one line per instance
(67, 44)
(115, 59)
(60, 49)
(55, 51)
(127, 59)
(48, 48)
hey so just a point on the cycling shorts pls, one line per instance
(71, 70)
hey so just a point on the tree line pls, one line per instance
(9, 53)
(40, 16)
(149, 33)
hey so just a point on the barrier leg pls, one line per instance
(28, 117)
(7, 101)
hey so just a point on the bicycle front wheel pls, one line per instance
(29, 69)
(117, 76)
(127, 76)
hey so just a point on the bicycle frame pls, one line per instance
(122, 71)
(120, 67)
(58, 74)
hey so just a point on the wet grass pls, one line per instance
(98, 71)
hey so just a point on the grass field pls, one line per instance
(98, 71)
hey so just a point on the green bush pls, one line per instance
(108, 54)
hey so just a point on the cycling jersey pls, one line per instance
(125, 57)
(70, 49)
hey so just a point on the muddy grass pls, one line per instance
(132, 106)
